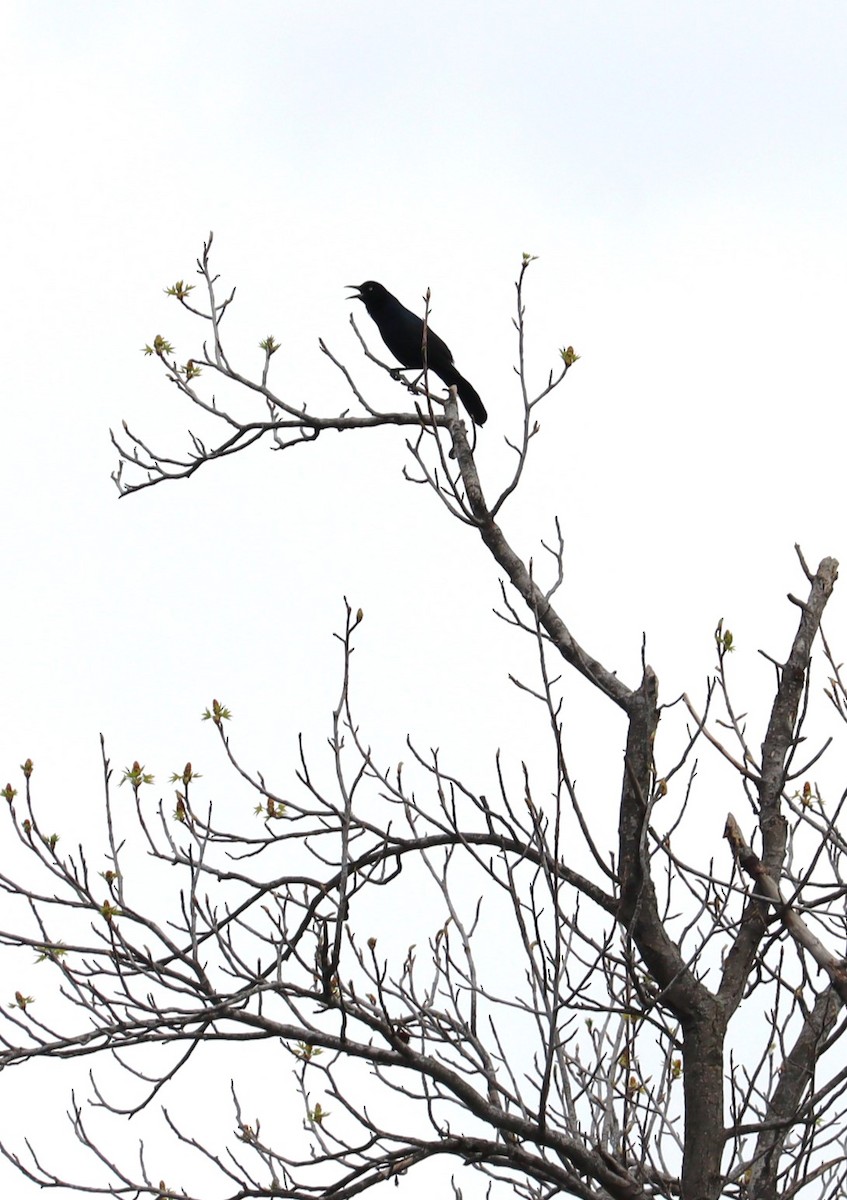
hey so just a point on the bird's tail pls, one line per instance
(467, 394)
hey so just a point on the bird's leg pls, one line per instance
(397, 373)
(416, 382)
(413, 384)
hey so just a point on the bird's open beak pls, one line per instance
(357, 287)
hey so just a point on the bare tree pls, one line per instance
(580, 1018)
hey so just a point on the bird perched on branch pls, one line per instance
(403, 334)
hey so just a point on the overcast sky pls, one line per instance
(681, 172)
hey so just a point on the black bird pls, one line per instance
(403, 333)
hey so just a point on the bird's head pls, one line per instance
(371, 294)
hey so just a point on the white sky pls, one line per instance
(681, 171)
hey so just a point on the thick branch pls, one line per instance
(701, 1016)
(777, 748)
(521, 576)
